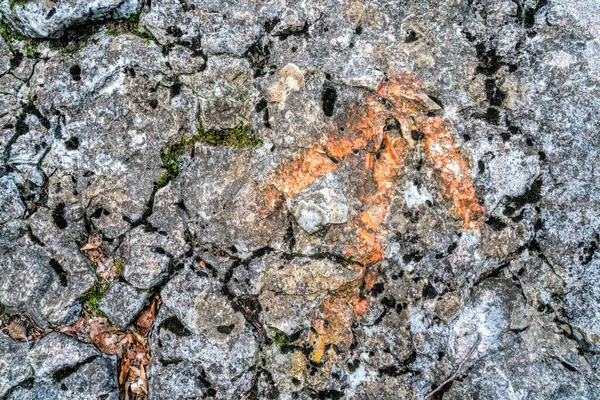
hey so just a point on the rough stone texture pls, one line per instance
(57, 367)
(423, 172)
(43, 19)
(121, 303)
(15, 365)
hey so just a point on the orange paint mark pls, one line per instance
(382, 153)
(335, 323)
(455, 173)
(310, 165)
(271, 201)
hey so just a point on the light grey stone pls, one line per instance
(122, 303)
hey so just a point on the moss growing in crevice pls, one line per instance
(238, 137)
(170, 163)
(14, 3)
(9, 34)
(119, 267)
(93, 296)
(279, 337)
(131, 26)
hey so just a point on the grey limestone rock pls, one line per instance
(121, 303)
(41, 19)
(331, 199)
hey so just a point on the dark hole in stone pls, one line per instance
(328, 100)
(62, 274)
(75, 72)
(531, 195)
(16, 60)
(568, 366)
(492, 116)
(185, 6)
(330, 394)
(416, 257)
(261, 105)
(358, 30)
(58, 215)
(481, 166)
(489, 61)
(417, 136)
(452, 247)
(153, 103)
(377, 289)
(493, 94)
(542, 156)
(439, 395)
(429, 291)
(466, 137)
(65, 372)
(266, 121)
(175, 89)
(392, 124)
(72, 143)
(436, 100)
(174, 325)
(495, 223)
(21, 128)
(270, 24)
(175, 31)
(225, 329)
(389, 302)
(411, 36)
(129, 71)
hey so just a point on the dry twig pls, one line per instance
(459, 368)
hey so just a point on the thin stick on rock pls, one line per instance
(459, 368)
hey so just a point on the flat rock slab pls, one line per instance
(324, 199)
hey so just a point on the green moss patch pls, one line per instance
(238, 137)
(119, 267)
(93, 296)
(131, 26)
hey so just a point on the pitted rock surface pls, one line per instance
(321, 200)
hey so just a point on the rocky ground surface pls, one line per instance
(324, 199)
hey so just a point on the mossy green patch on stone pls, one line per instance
(29, 49)
(93, 296)
(9, 34)
(132, 26)
(238, 137)
(169, 157)
(119, 267)
(279, 337)
(15, 3)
